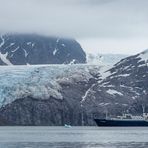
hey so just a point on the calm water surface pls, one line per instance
(74, 137)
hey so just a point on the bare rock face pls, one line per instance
(24, 49)
(38, 101)
(30, 111)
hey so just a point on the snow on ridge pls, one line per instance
(3, 57)
(3, 42)
(104, 59)
(86, 94)
(14, 50)
(121, 75)
(144, 56)
(145, 52)
(104, 104)
(28, 43)
(114, 92)
(55, 51)
(33, 44)
(104, 71)
(25, 52)
(124, 75)
(58, 39)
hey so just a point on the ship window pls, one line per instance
(128, 116)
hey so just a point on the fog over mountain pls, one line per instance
(113, 25)
(33, 49)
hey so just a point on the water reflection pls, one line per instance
(73, 145)
(75, 137)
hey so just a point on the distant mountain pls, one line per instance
(24, 49)
(104, 59)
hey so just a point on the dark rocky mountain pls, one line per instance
(23, 49)
(125, 87)
(73, 94)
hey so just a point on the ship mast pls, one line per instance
(143, 110)
(106, 114)
(82, 115)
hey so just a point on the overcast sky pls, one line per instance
(105, 26)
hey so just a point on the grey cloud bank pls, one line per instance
(108, 21)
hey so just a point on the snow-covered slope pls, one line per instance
(24, 49)
(104, 59)
(144, 56)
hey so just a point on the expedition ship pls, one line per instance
(124, 120)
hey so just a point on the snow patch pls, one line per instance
(72, 62)
(104, 104)
(114, 92)
(4, 58)
(57, 41)
(28, 43)
(63, 45)
(55, 51)
(121, 75)
(12, 44)
(26, 53)
(144, 56)
(104, 71)
(3, 42)
(33, 44)
(14, 50)
(86, 93)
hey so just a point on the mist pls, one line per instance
(119, 21)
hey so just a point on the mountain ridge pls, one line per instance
(23, 49)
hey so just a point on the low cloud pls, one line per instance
(81, 19)
(76, 18)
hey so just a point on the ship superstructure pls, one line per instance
(124, 120)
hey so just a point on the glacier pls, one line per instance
(40, 81)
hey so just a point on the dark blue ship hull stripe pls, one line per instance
(107, 122)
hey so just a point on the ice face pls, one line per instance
(40, 82)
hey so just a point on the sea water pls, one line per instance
(73, 137)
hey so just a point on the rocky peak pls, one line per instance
(32, 49)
